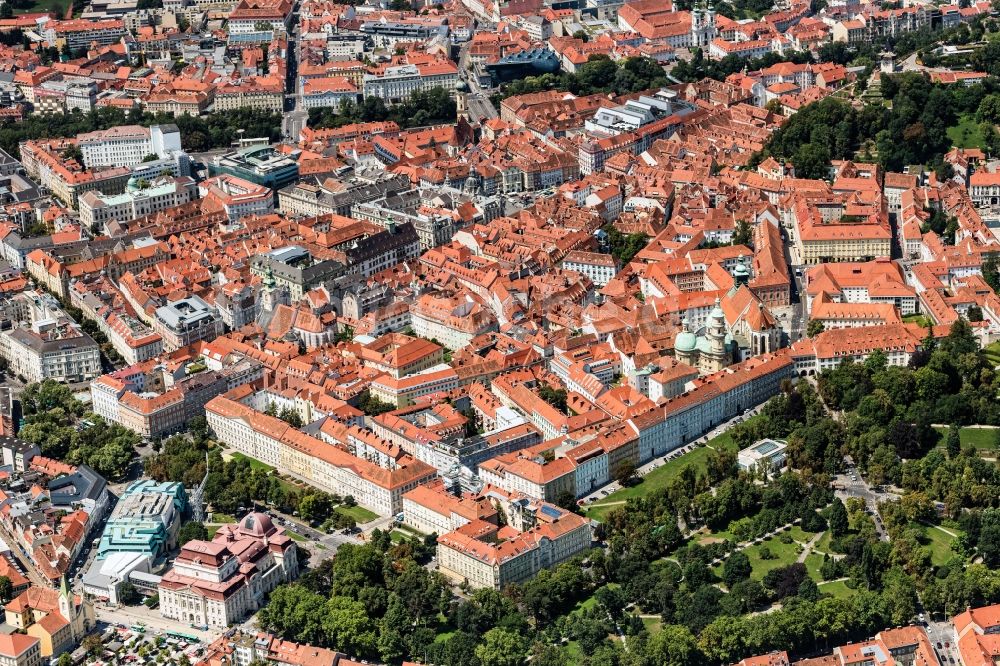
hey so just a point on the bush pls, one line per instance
(813, 522)
(831, 569)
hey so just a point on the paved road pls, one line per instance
(478, 101)
(854, 485)
(129, 615)
(941, 633)
(910, 64)
(795, 316)
(329, 542)
(295, 116)
(480, 107)
(463, 60)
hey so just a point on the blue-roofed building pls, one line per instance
(146, 520)
(766, 453)
(532, 62)
(260, 164)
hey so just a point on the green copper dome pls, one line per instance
(686, 341)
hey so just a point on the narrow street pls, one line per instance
(794, 318)
(478, 101)
(294, 116)
(29, 568)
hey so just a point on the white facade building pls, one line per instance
(396, 84)
(128, 145)
(50, 350)
(99, 209)
(766, 453)
(547, 536)
(600, 268)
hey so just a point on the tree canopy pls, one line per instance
(599, 74)
(912, 129)
(198, 133)
(53, 421)
(423, 107)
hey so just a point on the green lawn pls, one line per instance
(824, 543)
(658, 478)
(359, 514)
(600, 512)
(784, 554)
(939, 543)
(222, 518)
(404, 533)
(254, 463)
(573, 653)
(57, 6)
(409, 531)
(979, 438)
(586, 604)
(723, 442)
(652, 624)
(295, 535)
(837, 588)
(714, 537)
(992, 353)
(813, 563)
(589, 602)
(800, 534)
(916, 319)
(966, 133)
(661, 476)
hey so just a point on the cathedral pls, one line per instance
(738, 321)
(703, 29)
(710, 351)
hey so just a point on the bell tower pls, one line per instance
(462, 101)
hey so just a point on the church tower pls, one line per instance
(696, 25)
(271, 295)
(686, 344)
(741, 275)
(462, 101)
(715, 355)
(70, 612)
(65, 600)
(703, 29)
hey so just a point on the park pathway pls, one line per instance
(979, 426)
(807, 548)
(943, 529)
